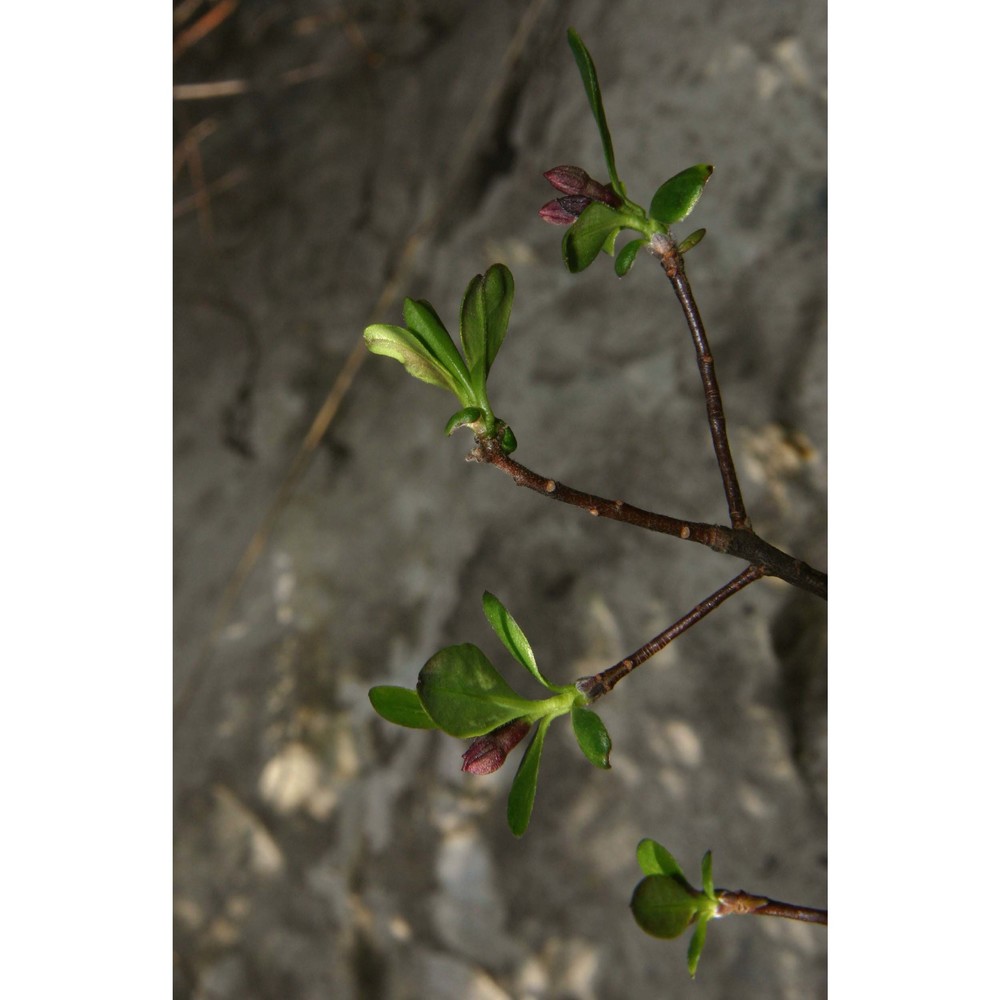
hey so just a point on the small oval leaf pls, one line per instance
(498, 299)
(663, 906)
(676, 197)
(522, 792)
(401, 706)
(691, 241)
(464, 695)
(592, 736)
(625, 260)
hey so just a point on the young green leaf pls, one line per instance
(676, 197)
(707, 886)
(498, 298)
(584, 240)
(464, 695)
(592, 736)
(625, 260)
(401, 706)
(473, 331)
(512, 637)
(522, 791)
(424, 322)
(508, 443)
(589, 74)
(470, 415)
(403, 345)
(697, 943)
(655, 859)
(690, 241)
(664, 906)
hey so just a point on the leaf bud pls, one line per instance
(488, 752)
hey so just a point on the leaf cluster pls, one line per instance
(461, 693)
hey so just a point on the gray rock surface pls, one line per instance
(321, 852)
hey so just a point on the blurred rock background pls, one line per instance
(330, 159)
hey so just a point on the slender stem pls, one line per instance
(741, 903)
(600, 684)
(673, 265)
(743, 544)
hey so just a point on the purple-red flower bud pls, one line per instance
(576, 181)
(488, 752)
(563, 211)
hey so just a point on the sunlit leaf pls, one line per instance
(401, 706)
(655, 859)
(676, 197)
(697, 944)
(592, 736)
(522, 791)
(664, 906)
(464, 695)
(512, 637)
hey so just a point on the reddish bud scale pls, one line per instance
(488, 752)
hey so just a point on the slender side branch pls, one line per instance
(743, 544)
(741, 903)
(600, 684)
(673, 265)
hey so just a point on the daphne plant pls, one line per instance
(458, 690)
(461, 693)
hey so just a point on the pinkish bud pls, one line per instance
(568, 180)
(554, 212)
(486, 753)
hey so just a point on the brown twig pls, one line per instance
(601, 684)
(673, 265)
(740, 903)
(744, 543)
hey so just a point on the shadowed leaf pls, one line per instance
(401, 706)
(522, 791)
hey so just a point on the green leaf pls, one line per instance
(585, 239)
(512, 637)
(707, 886)
(473, 331)
(498, 298)
(464, 694)
(697, 943)
(589, 74)
(655, 859)
(676, 197)
(415, 357)
(508, 443)
(522, 791)
(664, 906)
(470, 415)
(424, 322)
(691, 241)
(401, 706)
(626, 258)
(592, 736)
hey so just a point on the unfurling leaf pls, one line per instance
(470, 415)
(401, 706)
(424, 322)
(464, 695)
(676, 197)
(592, 736)
(522, 791)
(690, 241)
